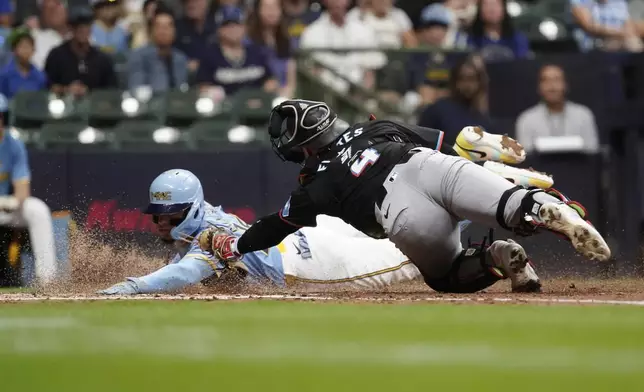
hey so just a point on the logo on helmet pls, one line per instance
(324, 124)
(162, 196)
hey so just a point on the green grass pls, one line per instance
(281, 346)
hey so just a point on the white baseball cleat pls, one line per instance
(475, 144)
(511, 258)
(553, 211)
(524, 177)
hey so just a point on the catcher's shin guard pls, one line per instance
(472, 271)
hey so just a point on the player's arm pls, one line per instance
(21, 175)
(194, 267)
(299, 211)
(266, 233)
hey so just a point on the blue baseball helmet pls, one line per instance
(175, 191)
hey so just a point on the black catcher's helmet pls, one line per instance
(297, 124)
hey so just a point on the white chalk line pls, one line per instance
(6, 298)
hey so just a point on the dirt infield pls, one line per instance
(108, 265)
(606, 292)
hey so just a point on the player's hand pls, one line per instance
(123, 288)
(222, 245)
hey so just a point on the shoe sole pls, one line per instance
(583, 236)
(517, 265)
(506, 149)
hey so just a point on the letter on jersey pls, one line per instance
(367, 158)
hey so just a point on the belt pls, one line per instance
(382, 191)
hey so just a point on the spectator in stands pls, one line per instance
(335, 31)
(234, 62)
(195, 31)
(555, 115)
(298, 15)
(461, 15)
(267, 28)
(20, 74)
(75, 67)
(158, 65)
(604, 24)
(107, 34)
(140, 25)
(361, 9)
(391, 25)
(433, 26)
(636, 13)
(431, 71)
(493, 34)
(6, 14)
(467, 103)
(50, 31)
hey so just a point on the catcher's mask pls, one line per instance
(299, 124)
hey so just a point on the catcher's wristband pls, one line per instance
(225, 247)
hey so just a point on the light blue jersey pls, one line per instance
(14, 165)
(191, 265)
(110, 40)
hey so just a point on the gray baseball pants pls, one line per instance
(426, 198)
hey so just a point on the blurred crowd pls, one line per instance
(75, 46)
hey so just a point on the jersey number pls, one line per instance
(367, 158)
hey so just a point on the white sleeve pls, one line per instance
(523, 132)
(402, 19)
(590, 133)
(365, 37)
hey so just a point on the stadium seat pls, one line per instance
(134, 133)
(30, 109)
(253, 106)
(105, 108)
(180, 107)
(59, 134)
(210, 132)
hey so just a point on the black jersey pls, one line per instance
(346, 180)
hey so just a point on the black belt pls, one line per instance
(382, 191)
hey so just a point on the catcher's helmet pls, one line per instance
(297, 124)
(174, 191)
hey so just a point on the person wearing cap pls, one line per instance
(431, 70)
(18, 209)
(6, 13)
(196, 30)
(20, 74)
(234, 62)
(107, 34)
(75, 67)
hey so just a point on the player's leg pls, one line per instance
(490, 151)
(472, 192)
(322, 259)
(476, 144)
(36, 216)
(426, 232)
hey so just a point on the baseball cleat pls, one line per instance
(525, 177)
(475, 144)
(553, 211)
(511, 258)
